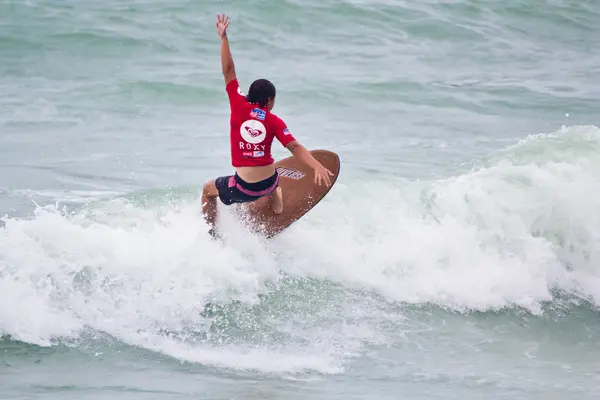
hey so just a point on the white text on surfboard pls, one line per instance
(290, 173)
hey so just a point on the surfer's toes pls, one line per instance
(214, 234)
(277, 201)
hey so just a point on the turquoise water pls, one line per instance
(457, 257)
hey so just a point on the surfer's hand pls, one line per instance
(322, 173)
(222, 24)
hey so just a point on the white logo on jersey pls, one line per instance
(253, 131)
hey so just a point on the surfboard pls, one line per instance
(300, 194)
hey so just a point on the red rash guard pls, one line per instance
(252, 130)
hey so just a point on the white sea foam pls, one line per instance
(505, 235)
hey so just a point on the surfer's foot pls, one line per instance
(215, 234)
(277, 201)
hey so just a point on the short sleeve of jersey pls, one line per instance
(235, 94)
(282, 133)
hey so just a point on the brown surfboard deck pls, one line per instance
(300, 194)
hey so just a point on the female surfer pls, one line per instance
(252, 129)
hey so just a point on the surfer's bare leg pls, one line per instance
(209, 203)
(276, 199)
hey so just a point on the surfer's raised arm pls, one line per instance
(226, 58)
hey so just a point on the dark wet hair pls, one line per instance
(260, 92)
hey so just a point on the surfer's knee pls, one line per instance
(210, 189)
(277, 201)
(278, 193)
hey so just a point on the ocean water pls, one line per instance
(457, 256)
